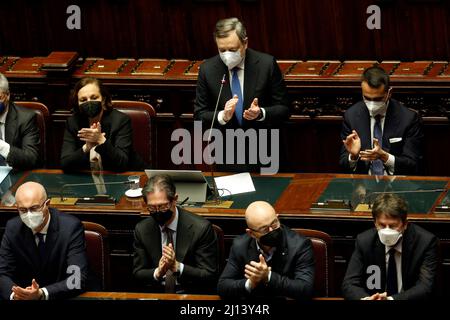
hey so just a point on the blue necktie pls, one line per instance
(41, 245)
(236, 90)
(377, 165)
(391, 280)
(2, 159)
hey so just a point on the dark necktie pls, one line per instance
(377, 165)
(41, 245)
(170, 277)
(391, 281)
(236, 90)
(2, 159)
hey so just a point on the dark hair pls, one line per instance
(225, 26)
(106, 97)
(391, 205)
(160, 182)
(376, 77)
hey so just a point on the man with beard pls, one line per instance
(270, 260)
(175, 251)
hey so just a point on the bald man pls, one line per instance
(42, 255)
(269, 260)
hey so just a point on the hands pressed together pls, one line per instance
(167, 262)
(29, 293)
(352, 144)
(257, 272)
(93, 136)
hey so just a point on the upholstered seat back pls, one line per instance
(97, 250)
(141, 114)
(324, 256)
(42, 121)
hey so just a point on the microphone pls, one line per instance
(96, 200)
(215, 191)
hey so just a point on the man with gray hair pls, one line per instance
(19, 134)
(175, 250)
(254, 94)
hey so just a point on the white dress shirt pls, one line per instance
(390, 163)
(240, 72)
(4, 146)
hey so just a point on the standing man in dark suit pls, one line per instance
(42, 255)
(270, 260)
(396, 260)
(175, 250)
(254, 94)
(380, 135)
(19, 134)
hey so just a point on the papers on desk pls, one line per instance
(235, 184)
(4, 171)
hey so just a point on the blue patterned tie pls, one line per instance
(236, 90)
(377, 165)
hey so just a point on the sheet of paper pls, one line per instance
(4, 170)
(235, 184)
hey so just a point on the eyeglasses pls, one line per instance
(31, 209)
(266, 229)
(161, 207)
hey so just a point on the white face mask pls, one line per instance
(32, 219)
(231, 58)
(389, 237)
(376, 107)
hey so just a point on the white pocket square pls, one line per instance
(394, 140)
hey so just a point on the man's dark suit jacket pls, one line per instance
(20, 262)
(21, 132)
(419, 265)
(196, 248)
(116, 152)
(262, 80)
(292, 269)
(401, 123)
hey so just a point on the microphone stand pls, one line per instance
(215, 191)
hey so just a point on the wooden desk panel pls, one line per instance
(160, 296)
(292, 205)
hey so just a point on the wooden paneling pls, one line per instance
(288, 29)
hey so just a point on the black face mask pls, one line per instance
(91, 108)
(161, 217)
(272, 239)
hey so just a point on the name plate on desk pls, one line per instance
(331, 205)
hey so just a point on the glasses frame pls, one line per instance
(274, 225)
(32, 209)
(159, 208)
